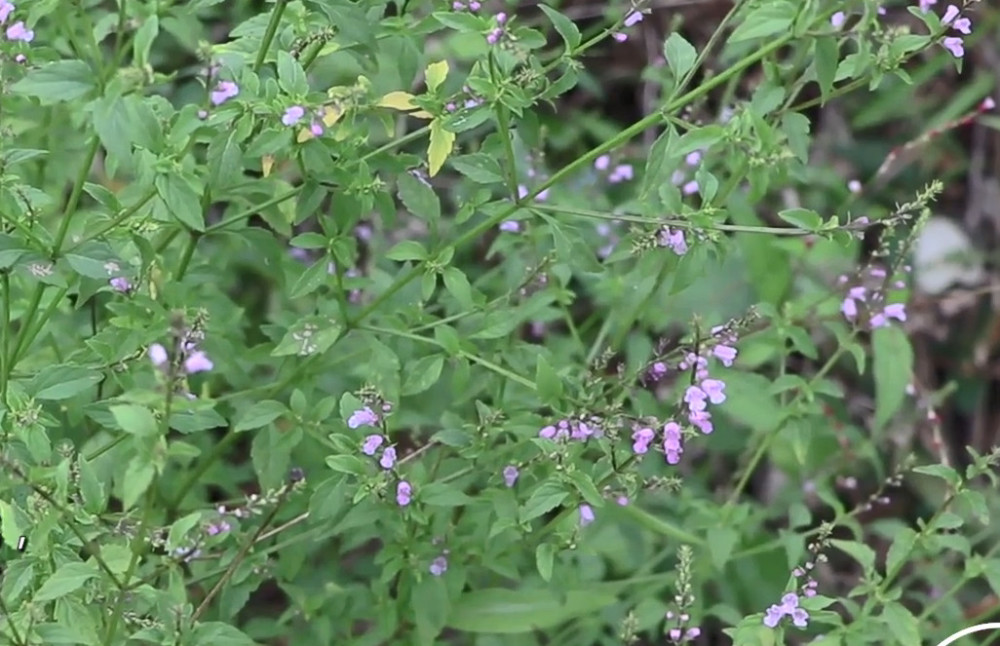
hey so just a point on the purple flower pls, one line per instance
(674, 240)
(724, 353)
(220, 528)
(404, 493)
(494, 36)
(954, 45)
(157, 354)
(292, 115)
(715, 390)
(672, 447)
(372, 442)
(439, 566)
(316, 129)
(388, 458)
(633, 18)
(701, 419)
(925, 5)
(849, 309)
(5, 10)
(602, 162)
(950, 14)
(224, 91)
(619, 37)
(362, 417)
(690, 188)
(586, 515)
(18, 31)
(197, 362)
(121, 284)
(622, 501)
(501, 18)
(522, 191)
(621, 173)
(510, 474)
(896, 311)
(838, 19)
(641, 439)
(693, 158)
(789, 607)
(695, 397)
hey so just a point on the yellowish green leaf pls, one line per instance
(435, 74)
(397, 101)
(440, 147)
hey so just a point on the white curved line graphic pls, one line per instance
(968, 631)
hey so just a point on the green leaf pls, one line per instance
(62, 382)
(135, 420)
(419, 198)
(138, 477)
(698, 139)
(802, 218)
(478, 167)
(143, 41)
(547, 382)
(497, 610)
(899, 551)
(216, 633)
(65, 580)
(260, 414)
(431, 607)
(545, 560)
(422, 374)
(57, 82)
(941, 471)
(567, 28)
(893, 371)
(901, 623)
(11, 249)
(827, 52)
(347, 464)
(95, 499)
(864, 555)
(766, 20)
(543, 500)
(179, 530)
(310, 335)
(441, 494)
(225, 160)
(441, 143)
(458, 286)
(181, 200)
(680, 54)
(291, 76)
(721, 541)
(407, 250)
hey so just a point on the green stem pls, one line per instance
(616, 141)
(124, 215)
(182, 268)
(217, 452)
(769, 439)
(74, 196)
(272, 29)
(4, 336)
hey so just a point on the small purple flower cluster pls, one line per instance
(870, 295)
(439, 565)
(16, 31)
(620, 173)
(121, 284)
(672, 239)
(573, 429)
(497, 33)
(365, 416)
(682, 177)
(195, 360)
(679, 634)
(789, 607)
(632, 18)
(510, 475)
(294, 114)
(473, 5)
(955, 44)
(469, 102)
